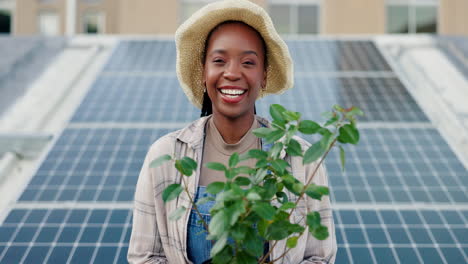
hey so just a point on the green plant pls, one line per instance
(261, 210)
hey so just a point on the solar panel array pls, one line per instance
(401, 162)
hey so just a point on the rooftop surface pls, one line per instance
(403, 197)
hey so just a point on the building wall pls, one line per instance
(27, 12)
(353, 17)
(148, 16)
(453, 17)
(162, 16)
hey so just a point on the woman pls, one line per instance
(228, 56)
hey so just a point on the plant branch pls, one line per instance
(270, 250)
(193, 204)
(303, 192)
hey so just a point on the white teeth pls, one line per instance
(234, 92)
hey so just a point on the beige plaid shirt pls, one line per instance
(155, 239)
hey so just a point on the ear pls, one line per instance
(264, 81)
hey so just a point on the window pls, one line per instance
(412, 16)
(93, 23)
(188, 7)
(5, 21)
(48, 23)
(295, 17)
(6, 7)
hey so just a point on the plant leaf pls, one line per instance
(183, 168)
(355, 111)
(171, 192)
(261, 164)
(219, 245)
(219, 223)
(257, 154)
(177, 213)
(159, 161)
(291, 116)
(348, 134)
(189, 163)
(233, 160)
(279, 165)
(262, 132)
(246, 170)
(276, 112)
(264, 210)
(215, 166)
(215, 187)
(308, 127)
(253, 196)
(316, 191)
(338, 108)
(282, 197)
(205, 199)
(234, 211)
(320, 233)
(292, 242)
(224, 256)
(242, 181)
(314, 152)
(261, 173)
(287, 205)
(274, 136)
(332, 120)
(294, 148)
(276, 230)
(269, 187)
(253, 244)
(276, 149)
(313, 220)
(342, 158)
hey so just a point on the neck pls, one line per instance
(232, 130)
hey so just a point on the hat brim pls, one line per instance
(191, 36)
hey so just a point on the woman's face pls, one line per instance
(234, 70)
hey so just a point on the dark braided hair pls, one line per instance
(207, 107)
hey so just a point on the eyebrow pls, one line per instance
(224, 52)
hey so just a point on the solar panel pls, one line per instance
(318, 55)
(123, 98)
(401, 236)
(92, 165)
(142, 56)
(65, 235)
(363, 236)
(381, 99)
(388, 165)
(333, 56)
(393, 165)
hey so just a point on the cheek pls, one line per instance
(210, 76)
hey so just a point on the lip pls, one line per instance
(230, 100)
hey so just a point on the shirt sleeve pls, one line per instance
(320, 251)
(145, 242)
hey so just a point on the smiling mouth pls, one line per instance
(232, 93)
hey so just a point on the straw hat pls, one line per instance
(190, 40)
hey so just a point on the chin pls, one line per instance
(233, 112)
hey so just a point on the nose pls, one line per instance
(232, 71)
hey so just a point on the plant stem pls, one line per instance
(301, 196)
(270, 250)
(194, 205)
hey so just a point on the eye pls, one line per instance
(218, 60)
(249, 62)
